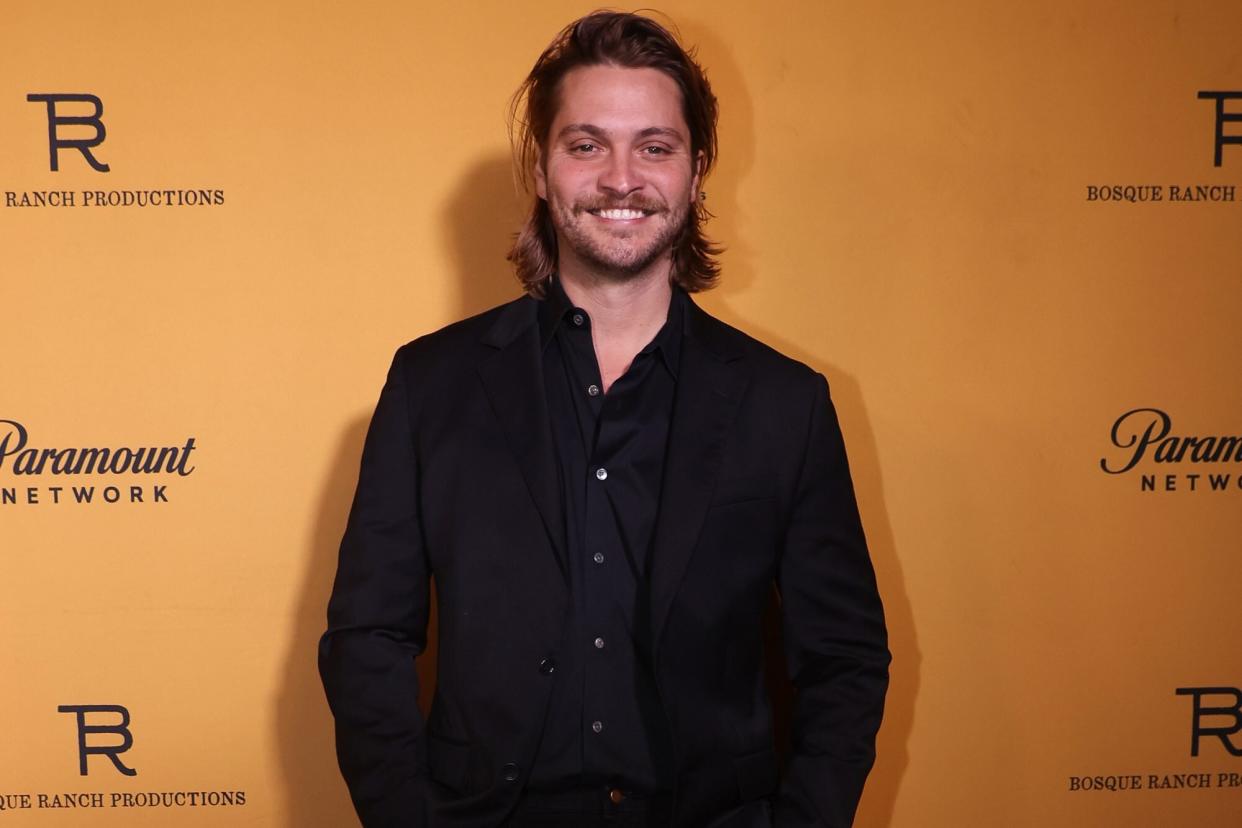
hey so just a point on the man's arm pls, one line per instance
(377, 624)
(836, 645)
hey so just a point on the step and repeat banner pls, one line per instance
(1010, 237)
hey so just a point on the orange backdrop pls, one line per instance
(905, 192)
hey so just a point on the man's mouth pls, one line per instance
(619, 215)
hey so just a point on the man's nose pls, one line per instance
(621, 176)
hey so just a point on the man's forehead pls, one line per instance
(612, 97)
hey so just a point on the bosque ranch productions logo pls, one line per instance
(104, 730)
(75, 132)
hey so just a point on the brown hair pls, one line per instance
(619, 39)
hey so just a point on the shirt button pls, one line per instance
(599, 643)
(547, 666)
(510, 772)
(578, 319)
(597, 726)
(593, 390)
(601, 474)
(616, 796)
(598, 557)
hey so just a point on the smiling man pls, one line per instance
(604, 483)
(619, 193)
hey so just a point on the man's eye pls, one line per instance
(655, 150)
(583, 148)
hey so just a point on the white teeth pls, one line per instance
(620, 215)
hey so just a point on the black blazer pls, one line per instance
(459, 481)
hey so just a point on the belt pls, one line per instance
(597, 800)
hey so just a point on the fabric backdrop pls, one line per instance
(1007, 233)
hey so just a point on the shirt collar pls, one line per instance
(555, 308)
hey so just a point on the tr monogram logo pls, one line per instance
(1218, 714)
(112, 751)
(56, 120)
(1222, 118)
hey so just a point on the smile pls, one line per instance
(620, 215)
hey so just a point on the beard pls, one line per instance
(624, 252)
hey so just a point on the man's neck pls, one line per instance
(625, 315)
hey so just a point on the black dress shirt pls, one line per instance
(606, 726)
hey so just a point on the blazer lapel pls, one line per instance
(710, 383)
(513, 380)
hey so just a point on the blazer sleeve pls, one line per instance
(377, 624)
(836, 644)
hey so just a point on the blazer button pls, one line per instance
(547, 665)
(510, 772)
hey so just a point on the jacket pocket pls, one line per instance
(756, 774)
(448, 763)
(746, 489)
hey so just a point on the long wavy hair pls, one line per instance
(630, 41)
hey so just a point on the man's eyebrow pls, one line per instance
(589, 129)
(667, 132)
(601, 133)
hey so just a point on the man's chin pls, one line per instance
(620, 267)
(618, 254)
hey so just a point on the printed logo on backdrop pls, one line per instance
(75, 133)
(1223, 118)
(55, 120)
(1213, 725)
(104, 730)
(1221, 129)
(1145, 445)
(86, 730)
(1216, 713)
(33, 473)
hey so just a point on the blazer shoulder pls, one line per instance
(466, 341)
(770, 366)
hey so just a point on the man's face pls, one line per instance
(617, 172)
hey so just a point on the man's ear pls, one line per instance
(541, 179)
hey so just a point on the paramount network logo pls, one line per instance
(26, 461)
(1145, 436)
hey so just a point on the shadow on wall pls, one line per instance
(734, 158)
(314, 792)
(481, 217)
(892, 753)
(480, 220)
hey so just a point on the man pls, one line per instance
(604, 482)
